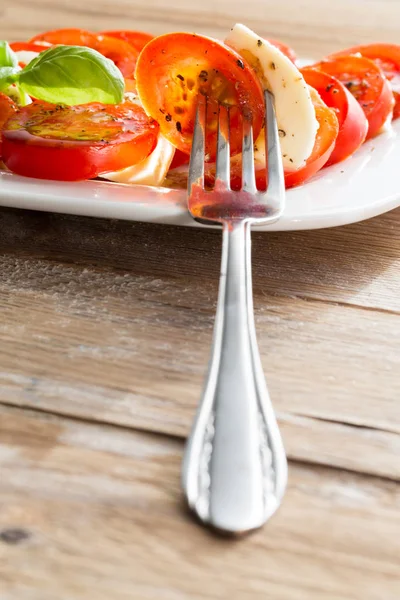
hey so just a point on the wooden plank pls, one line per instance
(308, 26)
(358, 264)
(308, 439)
(131, 349)
(91, 512)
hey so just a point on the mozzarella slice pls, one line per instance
(295, 112)
(25, 56)
(150, 171)
(17, 95)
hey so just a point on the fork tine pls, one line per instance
(248, 174)
(223, 149)
(276, 181)
(196, 165)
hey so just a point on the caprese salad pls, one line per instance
(120, 105)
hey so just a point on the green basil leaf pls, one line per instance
(8, 58)
(7, 76)
(72, 75)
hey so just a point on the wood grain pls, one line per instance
(105, 329)
(357, 264)
(101, 516)
(93, 339)
(144, 312)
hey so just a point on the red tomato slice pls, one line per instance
(286, 50)
(119, 51)
(30, 46)
(137, 39)
(7, 109)
(365, 80)
(387, 57)
(173, 69)
(71, 143)
(66, 37)
(353, 124)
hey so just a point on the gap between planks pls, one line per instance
(383, 466)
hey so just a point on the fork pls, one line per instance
(234, 468)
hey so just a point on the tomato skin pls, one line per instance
(73, 143)
(169, 84)
(387, 57)
(7, 109)
(137, 39)
(353, 124)
(367, 83)
(286, 50)
(119, 51)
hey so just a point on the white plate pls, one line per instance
(361, 187)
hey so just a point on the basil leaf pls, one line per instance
(72, 75)
(7, 76)
(8, 58)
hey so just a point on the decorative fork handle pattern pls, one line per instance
(235, 469)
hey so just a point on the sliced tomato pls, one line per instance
(7, 109)
(66, 37)
(71, 143)
(387, 57)
(286, 50)
(29, 46)
(137, 39)
(119, 51)
(367, 83)
(173, 69)
(353, 124)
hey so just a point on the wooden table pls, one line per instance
(105, 331)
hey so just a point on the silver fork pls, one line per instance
(234, 469)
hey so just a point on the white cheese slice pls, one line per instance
(20, 97)
(25, 56)
(150, 171)
(295, 112)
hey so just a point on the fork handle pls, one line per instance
(234, 469)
